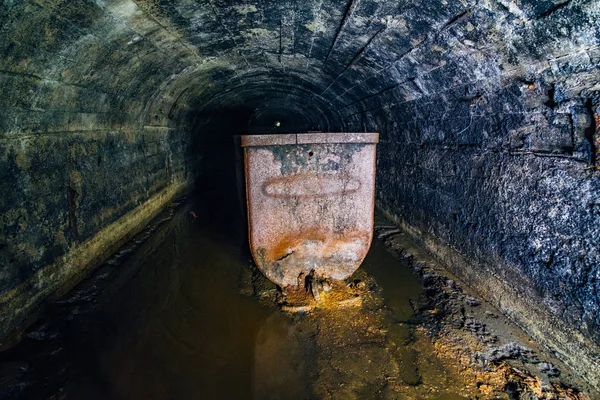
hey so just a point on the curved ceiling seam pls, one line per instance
(118, 19)
(223, 93)
(212, 96)
(299, 96)
(309, 111)
(255, 80)
(47, 77)
(349, 10)
(363, 48)
(272, 81)
(356, 57)
(297, 112)
(382, 91)
(189, 72)
(505, 76)
(168, 91)
(445, 26)
(251, 96)
(268, 69)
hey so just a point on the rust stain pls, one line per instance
(328, 241)
(310, 203)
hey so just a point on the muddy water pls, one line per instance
(400, 289)
(181, 317)
(179, 327)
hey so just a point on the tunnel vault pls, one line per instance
(489, 114)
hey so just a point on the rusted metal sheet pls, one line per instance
(310, 200)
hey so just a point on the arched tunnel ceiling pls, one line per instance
(349, 55)
(346, 52)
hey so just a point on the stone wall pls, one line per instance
(83, 165)
(494, 167)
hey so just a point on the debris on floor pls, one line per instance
(401, 327)
(446, 344)
(470, 334)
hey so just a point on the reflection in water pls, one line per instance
(172, 323)
(178, 328)
(284, 359)
(399, 286)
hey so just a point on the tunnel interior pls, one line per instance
(488, 113)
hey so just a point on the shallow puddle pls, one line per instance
(185, 315)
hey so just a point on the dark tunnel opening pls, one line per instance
(216, 130)
(256, 108)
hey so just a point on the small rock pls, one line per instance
(270, 295)
(509, 351)
(388, 232)
(548, 369)
(472, 301)
(316, 292)
(298, 309)
(357, 284)
(351, 302)
(301, 280)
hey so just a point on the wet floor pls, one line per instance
(178, 327)
(181, 317)
(182, 323)
(185, 316)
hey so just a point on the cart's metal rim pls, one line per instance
(282, 139)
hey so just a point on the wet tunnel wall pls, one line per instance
(489, 114)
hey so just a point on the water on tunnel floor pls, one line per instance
(179, 326)
(181, 317)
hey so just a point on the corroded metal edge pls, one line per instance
(308, 138)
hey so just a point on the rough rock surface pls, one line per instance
(488, 111)
(476, 334)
